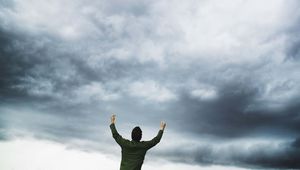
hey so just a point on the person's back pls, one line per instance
(133, 156)
(134, 151)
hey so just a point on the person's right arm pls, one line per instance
(157, 138)
(118, 138)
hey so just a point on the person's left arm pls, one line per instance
(157, 138)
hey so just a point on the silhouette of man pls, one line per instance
(134, 151)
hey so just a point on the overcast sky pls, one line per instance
(223, 75)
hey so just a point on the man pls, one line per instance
(133, 152)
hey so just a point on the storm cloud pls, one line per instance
(223, 75)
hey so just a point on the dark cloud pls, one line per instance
(60, 84)
(285, 158)
(28, 61)
(11, 65)
(234, 114)
(278, 156)
(296, 143)
(293, 51)
(6, 4)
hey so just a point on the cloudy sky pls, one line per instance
(223, 75)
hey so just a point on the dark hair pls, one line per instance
(136, 134)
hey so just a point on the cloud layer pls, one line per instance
(223, 75)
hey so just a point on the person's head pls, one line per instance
(136, 134)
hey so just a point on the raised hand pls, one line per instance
(162, 125)
(113, 118)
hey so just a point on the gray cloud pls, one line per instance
(62, 74)
(278, 155)
(234, 114)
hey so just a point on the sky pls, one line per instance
(223, 75)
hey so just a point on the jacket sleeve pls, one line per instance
(155, 140)
(118, 138)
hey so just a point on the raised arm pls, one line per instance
(157, 138)
(118, 138)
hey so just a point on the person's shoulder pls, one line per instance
(127, 140)
(126, 143)
(143, 143)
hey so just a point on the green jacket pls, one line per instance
(133, 153)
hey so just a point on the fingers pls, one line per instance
(113, 118)
(162, 125)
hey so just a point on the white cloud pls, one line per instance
(212, 30)
(151, 90)
(93, 91)
(37, 87)
(233, 31)
(32, 154)
(37, 154)
(204, 94)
